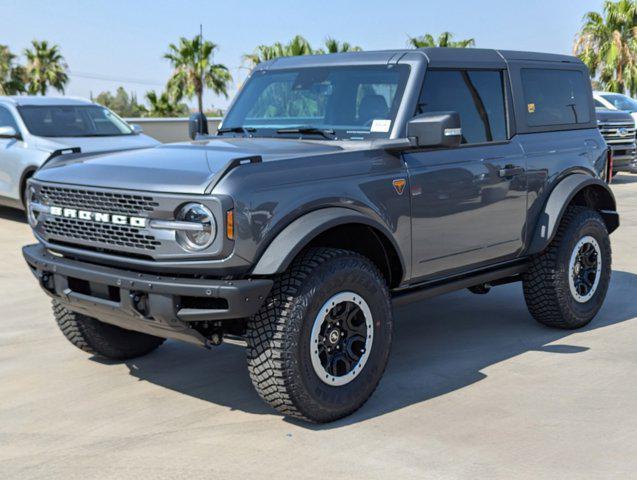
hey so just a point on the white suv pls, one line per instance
(616, 101)
(32, 129)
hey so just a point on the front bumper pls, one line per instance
(158, 305)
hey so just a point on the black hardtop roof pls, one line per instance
(435, 57)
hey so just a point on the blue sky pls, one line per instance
(125, 40)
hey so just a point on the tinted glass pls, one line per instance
(73, 121)
(354, 102)
(599, 104)
(6, 119)
(621, 102)
(555, 97)
(478, 96)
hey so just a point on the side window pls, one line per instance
(555, 97)
(477, 95)
(6, 119)
(599, 104)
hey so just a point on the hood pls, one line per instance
(174, 168)
(605, 115)
(95, 144)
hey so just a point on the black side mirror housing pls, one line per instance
(197, 125)
(435, 129)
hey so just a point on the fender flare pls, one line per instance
(292, 239)
(560, 198)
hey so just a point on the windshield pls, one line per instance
(352, 103)
(621, 102)
(73, 121)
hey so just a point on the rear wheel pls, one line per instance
(320, 344)
(102, 339)
(566, 285)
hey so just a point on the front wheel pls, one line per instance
(320, 344)
(566, 285)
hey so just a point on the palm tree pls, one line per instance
(263, 53)
(12, 76)
(297, 46)
(334, 46)
(45, 68)
(445, 39)
(194, 70)
(163, 106)
(607, 44)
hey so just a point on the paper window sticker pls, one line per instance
(380, 126)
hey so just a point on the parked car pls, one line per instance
(616, 101)
(339, 186)
(618, 129)
(33, 129)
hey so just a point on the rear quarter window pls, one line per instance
(555, 97)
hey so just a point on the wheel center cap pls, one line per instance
(334, 336)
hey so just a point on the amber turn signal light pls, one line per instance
(230, 224)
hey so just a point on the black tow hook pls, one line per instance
(216, 339)
(140, 303)
(47, 281)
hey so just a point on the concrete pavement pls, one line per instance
(474, 389)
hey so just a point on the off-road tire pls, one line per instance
(102, 339)
(278, 336)
(546, 286)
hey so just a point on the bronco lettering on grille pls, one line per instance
(98, 217)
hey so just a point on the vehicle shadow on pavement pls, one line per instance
(440, 345)
(12, 214)
(624, 179)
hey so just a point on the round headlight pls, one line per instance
(203, 230)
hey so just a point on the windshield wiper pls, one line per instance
(244, 130)
(325, 132)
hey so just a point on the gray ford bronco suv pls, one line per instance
(338, 187)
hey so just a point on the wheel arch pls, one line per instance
(334, 227)
(576, 189)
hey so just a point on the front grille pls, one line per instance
(115, 235)
(110, 202)
(611, 133)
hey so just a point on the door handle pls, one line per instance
(510, 171)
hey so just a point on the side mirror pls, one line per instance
(137, 129)
(9, 132)
(435, 129)
(197, 125)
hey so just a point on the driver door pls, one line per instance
(469, 202)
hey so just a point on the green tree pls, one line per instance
(194, 70)
(122, 103)
(163, 105)
(264, 53)
(12, 75)
(334, 46)
(445, 39)
(607, 44)
(297, 46)
(45, 68)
